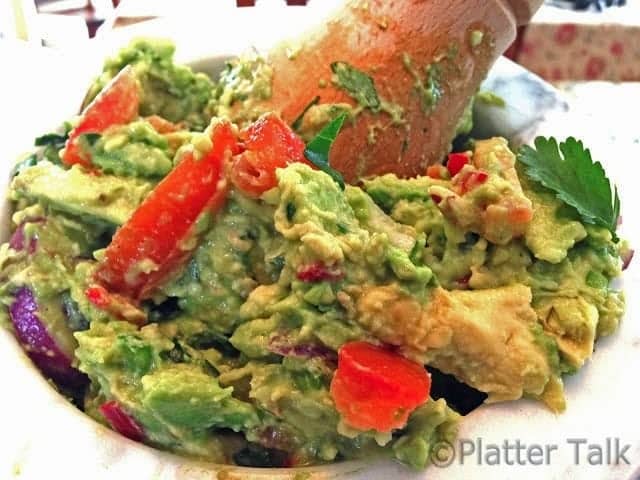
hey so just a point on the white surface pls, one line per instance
(628, 15)
(42, 437)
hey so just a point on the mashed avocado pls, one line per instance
(243, 84)
(171, 91)
(496, 282)
(133, 150)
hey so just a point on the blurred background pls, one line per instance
(568, 40)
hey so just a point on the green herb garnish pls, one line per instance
(53, 139)
(576, 179)
(432, 89)
(357, 84)
(317, 151)
(52, 143)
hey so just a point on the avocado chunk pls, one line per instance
(134, 150)
(551, 234)
(428, 425)
(97, 199)
(185, 396)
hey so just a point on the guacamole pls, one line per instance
(232, 354)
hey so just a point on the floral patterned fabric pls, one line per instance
(571, 51)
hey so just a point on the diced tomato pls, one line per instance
(436, 198)
(472, 180)
(376, 389)
(121, 421)
(521, 214)
(98, 296)
(116, 104)
(115, 304)
(456, 161)
(269, 144)
(437, 171)
(318, 272)
(162, 125)
(463, 282)
(152, 244)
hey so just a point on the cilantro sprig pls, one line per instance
(569, 171)
(317, 151)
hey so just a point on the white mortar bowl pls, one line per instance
(43, 436)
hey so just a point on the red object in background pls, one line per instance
(569, 49)
(565, 34)
(595, 68)
(616, 49)
(252, 3)
(88, 12)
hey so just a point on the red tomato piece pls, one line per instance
(521, 214)
(115, 304)
(269, 144)
(473, 180)
(376, 389)
(121, 421)
(456, 161)
(98, 296)
(116, 104)
(464, 281)
(318, 272)
(162, 125)
(151, 245)
(437, 171)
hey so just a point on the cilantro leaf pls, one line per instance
(53, 139)
(317, 151)
(52, 143)
(357, 84)
(576, 179)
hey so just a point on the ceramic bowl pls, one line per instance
(43, 436)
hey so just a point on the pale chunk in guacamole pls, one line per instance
(105, 198)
